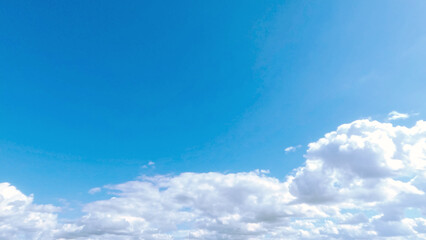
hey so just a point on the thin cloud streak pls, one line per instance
(394, 115)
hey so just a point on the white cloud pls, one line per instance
(292, 148)
(394, 115)
(212, 205)
(95, 190)
(150, 164)
(358, 182)
(21, 219)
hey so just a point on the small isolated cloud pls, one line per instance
(292, 148)
(150, 164)
(394, 115)
(94, 190)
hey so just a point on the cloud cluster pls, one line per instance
(366, 180)
(21, 219)
(370, 171)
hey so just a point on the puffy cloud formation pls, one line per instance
(366, 180)
(21, 219)
(368, 168)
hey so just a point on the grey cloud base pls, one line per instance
(366, 180)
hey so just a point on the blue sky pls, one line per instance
(90, 92)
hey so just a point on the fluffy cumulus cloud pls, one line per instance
(21, 219)
(366, 180)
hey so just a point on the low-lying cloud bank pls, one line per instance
(366, 180)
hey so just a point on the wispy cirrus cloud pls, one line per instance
(360, 181)
(95, 190)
